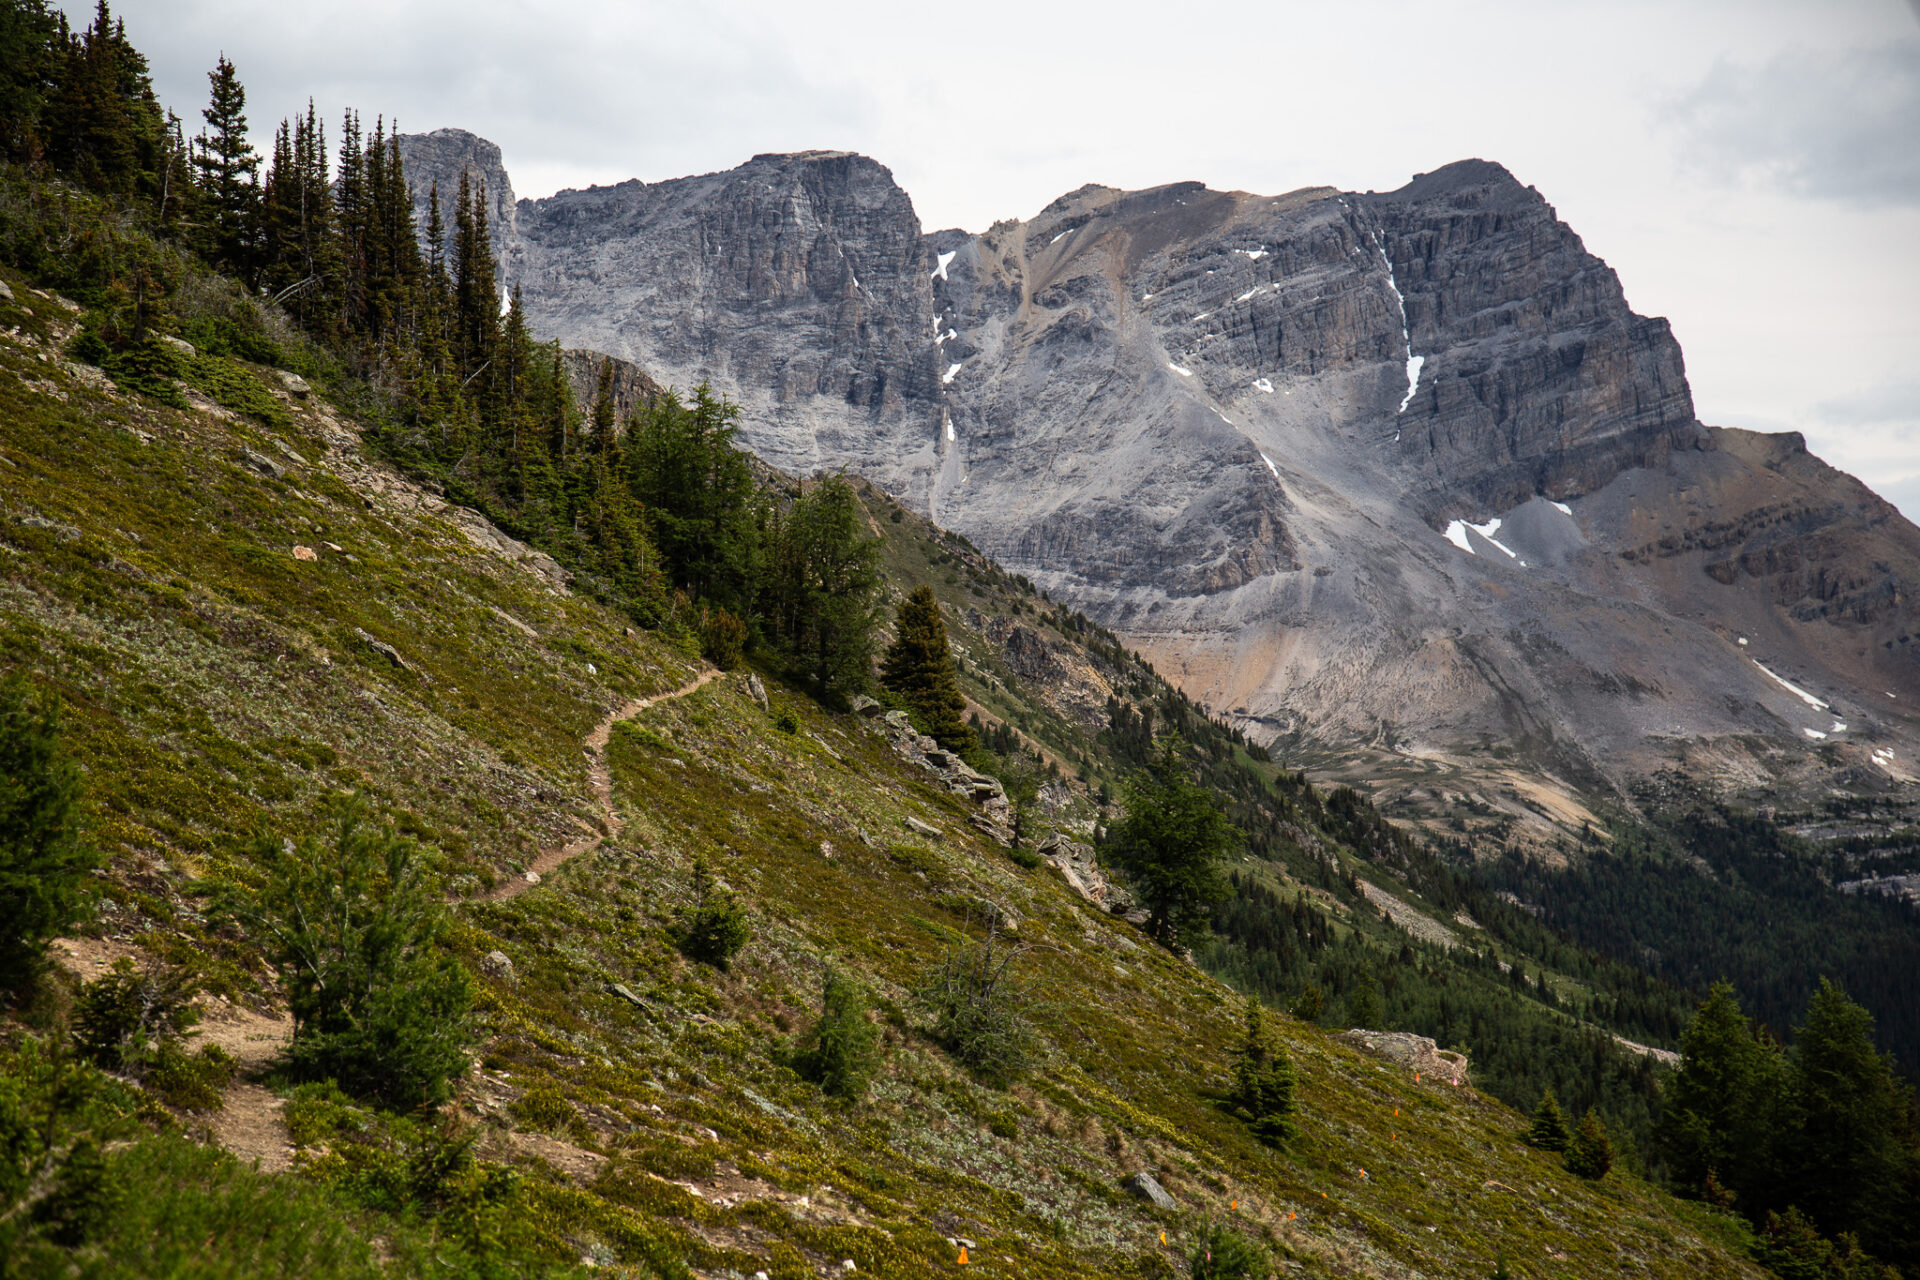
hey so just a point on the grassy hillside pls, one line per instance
(217, 684)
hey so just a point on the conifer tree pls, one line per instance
(1549, 1130)
(699, 494)
(45, 859)
(1590, 1152)
(228, 171)
(1171, 845)
(919, 667)
(823, 577)
(841, 1052)
(1722, 1111)
(1263, 1092)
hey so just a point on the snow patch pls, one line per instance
(947, 377)
(1743, 642)
(945, 260)
(1253, 255)
(952, 334)
(1815, 734)
(1565, 510)
(1487, 531)
(1414, 362)
(1839, 726)
(1269, 461)
(1262, 384)
(1794, 689)
(1413, 381)
(1069, 231)
(1202, 316)
(1248, 294)
(1146, 297)
(1185, 373)
(950, 436)
(1457, 535)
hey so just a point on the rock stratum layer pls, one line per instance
(1394, 478)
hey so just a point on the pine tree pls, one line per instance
(698, 489)
(823, 576)
(1590, 1152)
(228, 172)
(1850, 1156)
(1724, 1108)
(841, 1052)
(1263, 1092)
(45, 859)
(1171, 845)
(919, 667)
(1549, 1130)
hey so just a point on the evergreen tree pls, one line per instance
(228, 171)
(698, 489)
(355, 925)
(1549, 1130)
(714, 927)
(820, 592)
(1263, 1083)
(29, 58)
(1590, 1152)
(842, 1051)
(1723, 1108)
(45, 860)
(1851, 1156)
(1172, 844)
(1363, 1006)
(919, 667)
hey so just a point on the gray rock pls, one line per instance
(179, 345)
(263, 464)
(64, 532)
(756, 690)
(497, 964)
(1148, 1188)
(1417, 1053)
(392, 655)
(621, 990)
(6, 293)
(295, 384)
(865, 706)
(923, 828)
(440, 158)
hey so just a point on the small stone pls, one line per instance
(756, 690)
(865, 706)
(333, 547)
(497, 964)
(392, 655)
(5, 292)
(263, 464)
(620, 989)
(592, 670)
(1148, 1188)
(847, 1265)
(304, 553)
(922, 828)
(295, 384)
(531, 877)
(180, 345)
(826, 848)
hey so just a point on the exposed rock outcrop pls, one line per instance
(995, 815)
(438, 159)
(1415, 1052)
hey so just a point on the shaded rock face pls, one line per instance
(439, 158)
(797, 284)
(1249, 433)
(633, 388)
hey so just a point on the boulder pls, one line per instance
(923, 828)
(392, 655)
(1148, 1188)
(1415, 1052)
(295, 384)
(756, 690)
(180, 346)
(6, 294)
(263, 464)
(865, 706)
(497, 964)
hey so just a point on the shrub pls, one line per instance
(842, 1051)
(1222, 1253)
(786, 722)
(1263, 1083)
(714, 928)
(979, 1012)
(123, 1018)
(1590, 1153)
(45, 859)
(353, 927)
(723, 638)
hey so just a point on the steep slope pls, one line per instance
(243, 612)
(1398, 480)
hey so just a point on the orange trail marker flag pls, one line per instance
(1233, 1204)
(963, 1256)
(1163, 1237)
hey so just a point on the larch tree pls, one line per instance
(919, 667)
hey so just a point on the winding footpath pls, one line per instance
(601, 776)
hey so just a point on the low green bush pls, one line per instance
(841, 1052)
(715, 927)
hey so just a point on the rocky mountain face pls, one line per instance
(438, 159)
(1397, 479)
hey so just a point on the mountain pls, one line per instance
(1397, 480)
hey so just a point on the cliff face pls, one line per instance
(438, 159)
(1398, 473)
(798, 284)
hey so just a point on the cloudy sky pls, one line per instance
(1750, 167)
